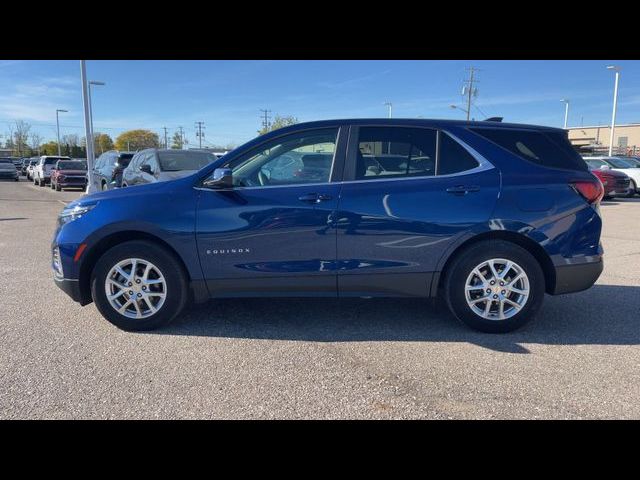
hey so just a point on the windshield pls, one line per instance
(184, 160)
(73, 165)
(53, 160)
(595, 164)
(618, 163)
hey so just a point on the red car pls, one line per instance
(615, 183)
(69, 174)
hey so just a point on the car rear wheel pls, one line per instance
(58, 187)
(632, 188)
(138, 286)
(494, 286)
(104, 186)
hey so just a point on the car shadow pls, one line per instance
(602, 315)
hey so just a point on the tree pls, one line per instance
(49, 148)
(176, 141)
(70, 145)
(21, 138)
(278, 122)
(137, 140)
(35, 140)
(103, 143)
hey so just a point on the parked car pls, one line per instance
(153, 165)
(619, 164)
(633, 161)
(69, 174)
(31, 167)
(42, 169)
(489, 216)
(25, 164)
(17, 162)
(107, 171)
(8, 170)
(615, 183)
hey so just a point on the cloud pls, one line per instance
(353, 81)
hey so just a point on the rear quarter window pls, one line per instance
(549, 148)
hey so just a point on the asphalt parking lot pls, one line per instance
(307, 358)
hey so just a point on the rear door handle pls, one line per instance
(463, 189)
(314, 198)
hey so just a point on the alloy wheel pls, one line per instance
(497, 289)
(135, 288)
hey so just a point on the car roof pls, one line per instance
(416, 122)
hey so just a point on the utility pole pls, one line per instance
(470, 90)
(265, 119)
(181, 138)
(200, 133)
(166, 145)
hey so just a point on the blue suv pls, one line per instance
(488, 216)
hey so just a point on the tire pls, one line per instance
(632, 189)
(58, 188)
(459, 273)
(103, 187)
(175, 279)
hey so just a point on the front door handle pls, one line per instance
(314, 198)
(463, 189)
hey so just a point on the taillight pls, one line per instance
(592, 191)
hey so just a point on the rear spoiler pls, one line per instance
(494, 119)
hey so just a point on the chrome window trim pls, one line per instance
(483, 165)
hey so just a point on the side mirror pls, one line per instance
(221, 178)
(605, 167)
(146, 169)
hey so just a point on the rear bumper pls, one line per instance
(575, 278)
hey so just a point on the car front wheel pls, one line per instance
(494, 286)
(139, 285)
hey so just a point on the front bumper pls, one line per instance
(575, 278)
(9, 175)
(70, 287)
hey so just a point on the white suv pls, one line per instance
(42, 170)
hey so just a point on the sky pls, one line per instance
(228, 95)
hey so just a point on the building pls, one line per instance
(595, 139)
(6, 152)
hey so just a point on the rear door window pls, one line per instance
(391, 152)
(546, 148)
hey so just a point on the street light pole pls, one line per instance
(92, 82)
(58, 129)
(455, 107)
(91, 188)
(615, 106)
(566, 112)
(390, 105)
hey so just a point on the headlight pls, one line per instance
(70, 214)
